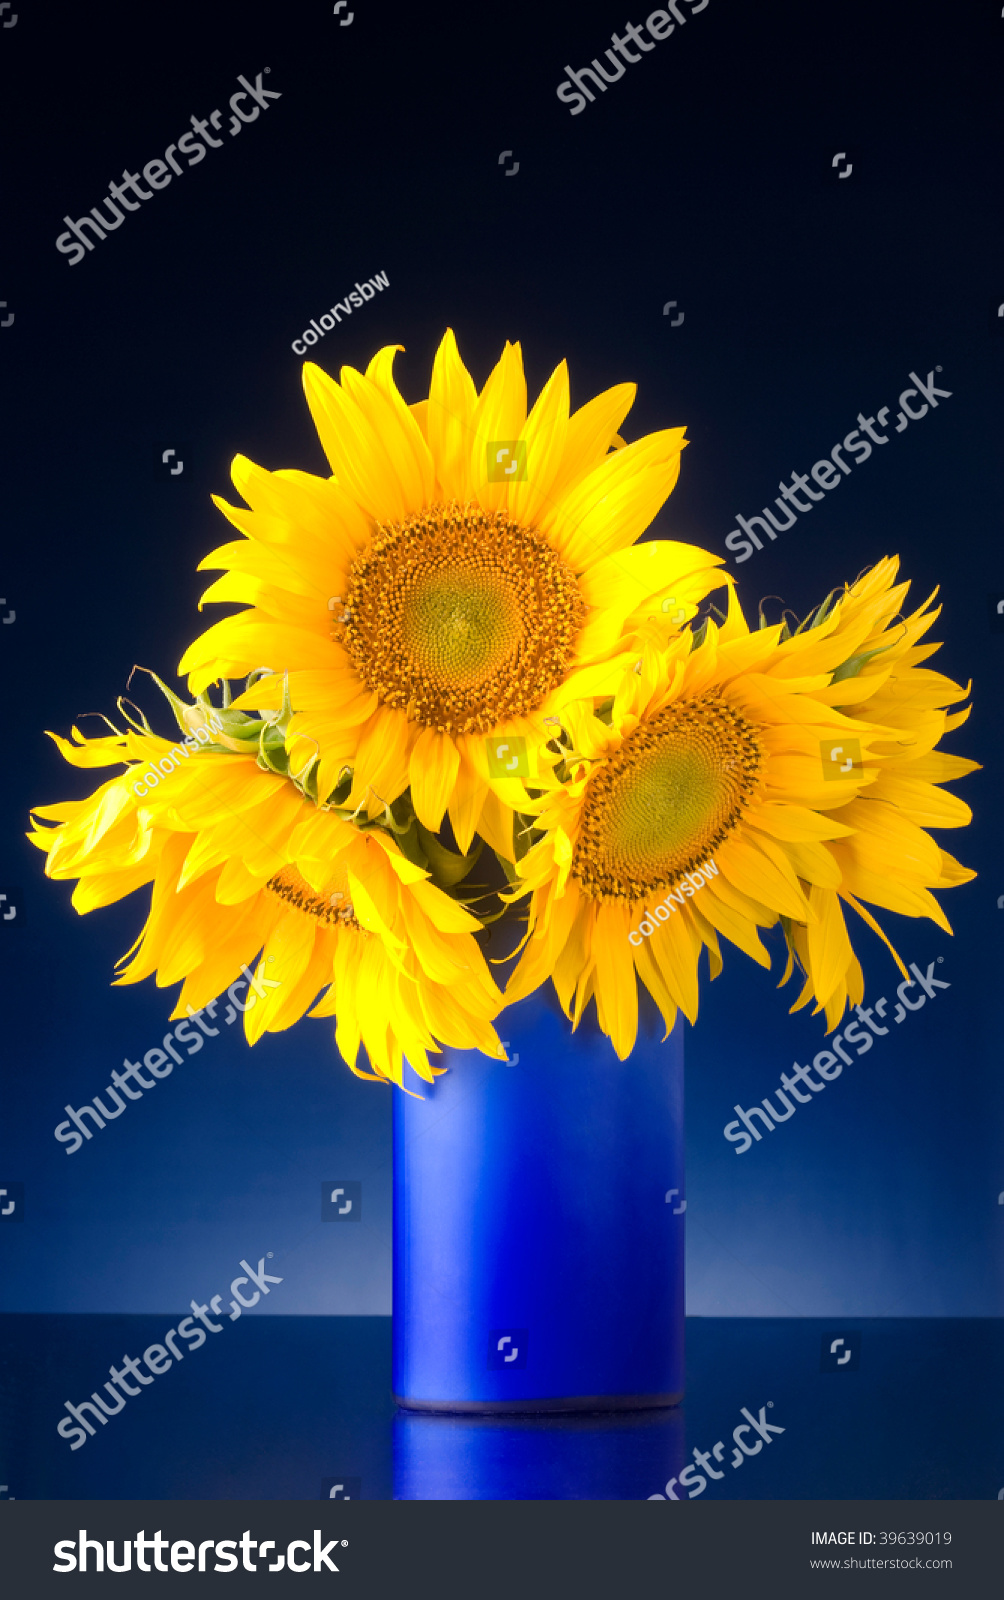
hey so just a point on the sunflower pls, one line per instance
(705, 801)
(245, 868)
(465, 572)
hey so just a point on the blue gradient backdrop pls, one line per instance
(703, 176)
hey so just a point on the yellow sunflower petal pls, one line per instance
(433, 767)
(612, 507)
(498, 418)
(830, 951)
(591, 433)
(543, 437)
(366, 442)
(452, 399)
(617, 991)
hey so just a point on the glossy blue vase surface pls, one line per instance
(539, 1222)
(612, 1455)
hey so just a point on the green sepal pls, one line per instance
(410, 846)
(814, 619)
(447, 867)
(525, 834)
(852, 666)
(486, 918)
(605, 711)
(237, 725)
(509, 868)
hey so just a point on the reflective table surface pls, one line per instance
(300, 1408)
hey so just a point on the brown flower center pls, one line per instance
(333, 908)
(670, 796)
(461, 618)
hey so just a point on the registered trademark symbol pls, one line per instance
(344, 1542)
(269, 1254)
(272, 958)
(770, 1402)
(941, 958)
(937, 369)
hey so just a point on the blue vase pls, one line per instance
(609, 1456)
(538, 1222)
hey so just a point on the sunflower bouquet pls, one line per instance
(455, 649)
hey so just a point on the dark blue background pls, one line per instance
(703, 176)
